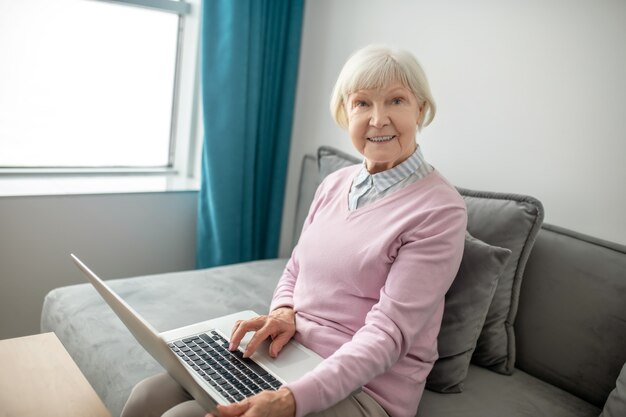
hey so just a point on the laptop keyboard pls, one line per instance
(232, 375)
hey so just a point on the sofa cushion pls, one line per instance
(571, 326)
(489, 394)
(616, 403)
(309, 181)
(466, 305)
(89, 329)
(510, 221)
(330, 160)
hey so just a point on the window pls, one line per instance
(97, 84)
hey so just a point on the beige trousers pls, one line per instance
(161, 396)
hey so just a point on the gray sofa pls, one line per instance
(550, 342)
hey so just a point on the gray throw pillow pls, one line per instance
(466, 305)
(330, 160)
(509, 221)
(615, 405)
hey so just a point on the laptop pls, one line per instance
(197, 356)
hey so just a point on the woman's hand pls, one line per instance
(279, 325)
(265, 404)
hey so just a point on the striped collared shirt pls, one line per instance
(367, 188)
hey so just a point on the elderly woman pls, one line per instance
(365, 285)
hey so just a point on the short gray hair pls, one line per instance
(377, 66)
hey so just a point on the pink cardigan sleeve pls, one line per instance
(394, 323)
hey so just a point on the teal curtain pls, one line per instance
(249, 53)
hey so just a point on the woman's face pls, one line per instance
(382, 124)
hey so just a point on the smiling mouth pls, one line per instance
(381, 139)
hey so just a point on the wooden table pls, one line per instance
(39, 378)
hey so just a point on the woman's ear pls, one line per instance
(420, 112)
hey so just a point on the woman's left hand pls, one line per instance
(265, 404)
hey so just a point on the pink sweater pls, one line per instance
(368, 290)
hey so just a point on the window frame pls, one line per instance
(185, 128)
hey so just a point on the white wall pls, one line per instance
(118, 235)
(531, 96)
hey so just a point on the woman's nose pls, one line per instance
(379, 117)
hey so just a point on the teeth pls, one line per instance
(380, 138)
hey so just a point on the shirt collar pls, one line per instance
(385, 179)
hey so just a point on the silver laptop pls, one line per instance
(197, 356)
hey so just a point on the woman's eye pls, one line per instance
(397, 100)
(360, 103)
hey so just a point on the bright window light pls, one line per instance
(86, 84)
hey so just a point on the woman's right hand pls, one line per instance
(279, 325)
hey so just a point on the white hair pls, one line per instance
(378, 66)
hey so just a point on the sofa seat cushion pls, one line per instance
(490, 394)
(108, 355)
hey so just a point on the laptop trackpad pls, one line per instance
(290, 355)
(293, 361)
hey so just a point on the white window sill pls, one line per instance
(46, 185)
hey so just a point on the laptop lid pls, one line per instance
(294, 361)
(149, 338)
